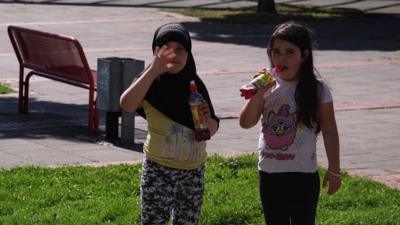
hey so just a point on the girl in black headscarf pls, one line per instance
(173, 166)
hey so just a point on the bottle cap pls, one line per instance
(193, 87)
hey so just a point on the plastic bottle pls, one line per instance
(264, 78)
(201, 131)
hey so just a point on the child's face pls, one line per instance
(288, 56)
(180, 58)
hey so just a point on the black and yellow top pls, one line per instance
(171, 144)
(170, 141)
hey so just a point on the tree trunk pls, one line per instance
(266, 6)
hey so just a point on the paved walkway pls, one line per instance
(370, 6)
(360, 60)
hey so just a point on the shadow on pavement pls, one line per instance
(380, 34)
(54, 120)
(10, 104)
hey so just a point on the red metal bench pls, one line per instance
(57, 57)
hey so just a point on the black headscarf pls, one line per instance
(169, 93)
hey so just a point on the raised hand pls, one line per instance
(162, 59)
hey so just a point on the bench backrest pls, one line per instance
(53, 54)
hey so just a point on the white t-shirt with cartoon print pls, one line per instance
(285, 146)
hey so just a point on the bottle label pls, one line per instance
(198, 120)
(201, 132)
(262, 80)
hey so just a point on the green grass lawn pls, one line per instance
(286, 12)
(110, 195)
(5, 89)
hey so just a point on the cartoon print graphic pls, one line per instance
(180, 144)
(172, 141)
(280, 129)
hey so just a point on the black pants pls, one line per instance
(289, 198)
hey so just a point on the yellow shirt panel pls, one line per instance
(171, 144)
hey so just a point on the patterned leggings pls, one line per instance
(167, 191)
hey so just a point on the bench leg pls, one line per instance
(21, 95)
(93, 123)
(93, 114)
(26, 93)
(23, 98)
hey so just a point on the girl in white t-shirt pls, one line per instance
(295, 108)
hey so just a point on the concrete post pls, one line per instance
(131, 68)
(109, 89)
(114, 76)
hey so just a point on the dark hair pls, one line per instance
(308, 86)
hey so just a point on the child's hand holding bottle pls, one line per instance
(200, 113)
(264, 78)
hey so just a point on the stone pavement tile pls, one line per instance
(227, 153)
(39, 155)
(365, 158)
(65, 145)
(381, 168)
(392, 180)
(364, 83)
(389, 177)
(46, 156)
(364, 145)
(104, 155)
(231, 137)
(381, 165)
(391, 150)
(12, 142)
(10, 160)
